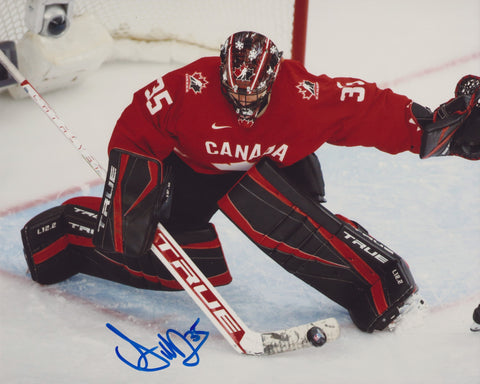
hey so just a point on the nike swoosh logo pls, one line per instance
(215, 126)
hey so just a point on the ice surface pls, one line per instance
(426, 210)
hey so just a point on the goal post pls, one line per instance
(299, 31)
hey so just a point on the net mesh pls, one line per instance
(204, 23)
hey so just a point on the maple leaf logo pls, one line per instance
(308, 89)
(195, 82)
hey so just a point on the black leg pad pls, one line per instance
(326, 251)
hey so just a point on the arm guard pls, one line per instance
(454, 127)
(135, 197)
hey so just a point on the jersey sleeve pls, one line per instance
(141, 127)
(373, 117)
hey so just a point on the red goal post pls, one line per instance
(299, 31)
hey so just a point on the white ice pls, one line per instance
(428, 211)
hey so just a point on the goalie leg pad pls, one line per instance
(324, 250)
(48, 239)
(204, 248)
(147, 272)
(58, 244)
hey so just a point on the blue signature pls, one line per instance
(166, 350)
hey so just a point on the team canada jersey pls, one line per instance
(186, 112)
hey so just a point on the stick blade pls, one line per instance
(296, 337)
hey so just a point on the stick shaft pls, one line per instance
(52, 115)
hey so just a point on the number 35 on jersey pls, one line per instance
(157, 96)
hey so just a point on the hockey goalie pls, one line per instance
(238, 133)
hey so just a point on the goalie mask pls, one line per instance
(249, 65)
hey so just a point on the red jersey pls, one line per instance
(186, 112)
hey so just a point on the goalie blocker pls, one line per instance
(332, 254)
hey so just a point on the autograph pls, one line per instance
(159, 357)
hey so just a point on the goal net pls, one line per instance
(166, 31)
(195, 23)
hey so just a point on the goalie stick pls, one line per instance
(192, 280)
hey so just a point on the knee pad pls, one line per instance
(135, 198)
(328, 252)
(306, 175)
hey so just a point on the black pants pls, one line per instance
(195, 195)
